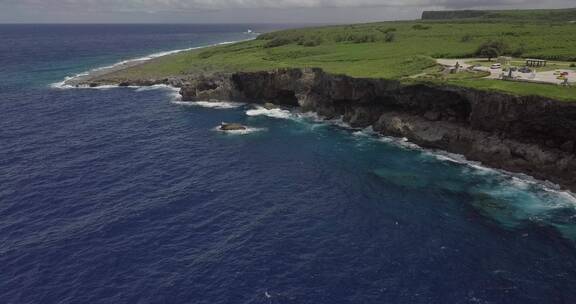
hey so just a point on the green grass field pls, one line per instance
(393, 50)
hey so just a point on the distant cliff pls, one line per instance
(445, 15)
(550, 15)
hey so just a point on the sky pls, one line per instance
(242, 11)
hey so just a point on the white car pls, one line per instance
(496, 66)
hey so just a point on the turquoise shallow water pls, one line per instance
(129, 196)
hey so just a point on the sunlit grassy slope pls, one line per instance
(378, 50)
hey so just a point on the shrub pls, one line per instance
(310, 41)
(390, 37)
(266, 36)
(388, 30)
(520, 50)
(420, 27)
(278, 41)
(466, 38)
(489, 52)
(206, 54)
(492, 49)
(360, 38)
(340, 38)
(573, 65)
(440, 55)
(368, 38)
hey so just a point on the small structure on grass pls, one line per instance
(456, 68)
(536, 62)
(510, 75)
(504, 60)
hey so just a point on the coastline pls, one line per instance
(520, 134)
(225, 87)
(158, 174)
(82, 80)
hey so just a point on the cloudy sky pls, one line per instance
(249, 11)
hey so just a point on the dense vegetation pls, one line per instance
(386, 49)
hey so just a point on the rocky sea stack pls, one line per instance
(232, 127)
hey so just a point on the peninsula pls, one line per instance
(495, 86)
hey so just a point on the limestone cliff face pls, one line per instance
(531, 135)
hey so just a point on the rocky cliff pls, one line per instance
(532, 135)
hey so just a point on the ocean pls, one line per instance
(129, 195)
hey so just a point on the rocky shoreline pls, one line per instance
(528, 134)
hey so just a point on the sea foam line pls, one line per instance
(274, 113)
(285, 114)
(209, 104)
(62, 84)
(518, 180)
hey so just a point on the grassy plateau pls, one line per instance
(393, 50)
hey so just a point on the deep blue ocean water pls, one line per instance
(129, 196)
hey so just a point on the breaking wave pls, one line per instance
(274, 113)
(125, 64)
(210, 104)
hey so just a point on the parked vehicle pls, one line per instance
(524, 70)
(496, 66)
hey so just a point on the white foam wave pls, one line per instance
(515, 180)
(173, 92)
(156, 87)
(339, 122)
(460, 159)
(565, 195)
(62, 84)
(311, 116)
(400, 142)
(107, 87)
(210, 104)
(274, 113)
(366, 132)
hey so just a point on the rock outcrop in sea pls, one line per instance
(232, 127)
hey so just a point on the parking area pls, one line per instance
(553, 76)
(558, 76)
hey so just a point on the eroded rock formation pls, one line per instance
(532, 135)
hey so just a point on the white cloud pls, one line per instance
(252, 11)
(147, 5)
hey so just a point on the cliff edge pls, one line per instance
(529, 134)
